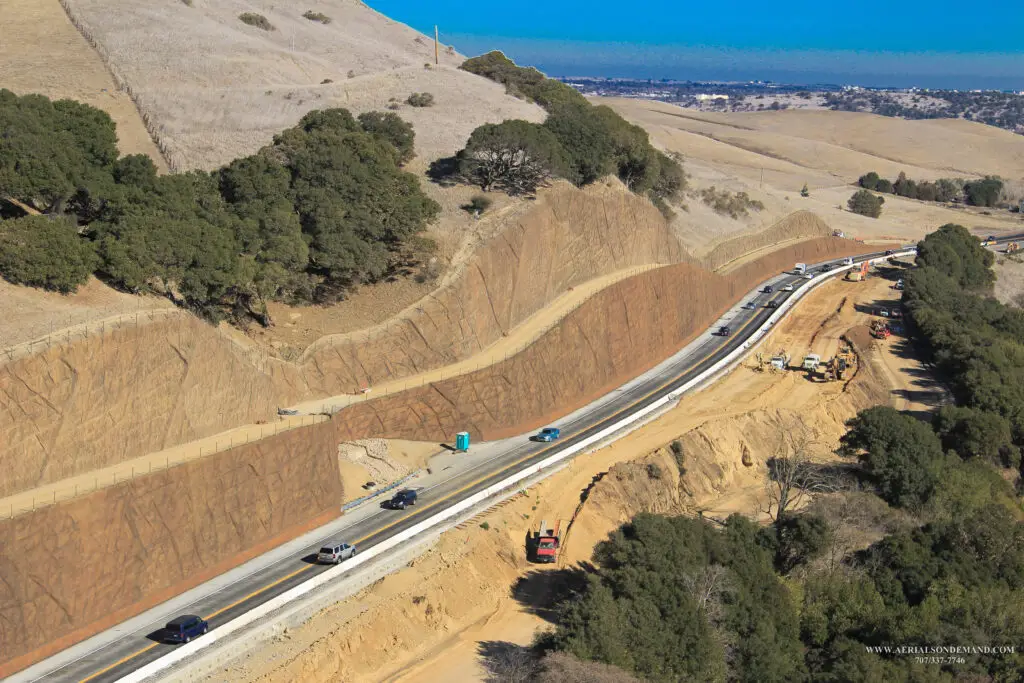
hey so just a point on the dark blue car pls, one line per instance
(185, 628)
(548, 434)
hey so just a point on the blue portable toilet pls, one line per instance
(462, 441)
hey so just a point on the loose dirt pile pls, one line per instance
(434, 619)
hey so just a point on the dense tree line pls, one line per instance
(985, 192)
(925, 549)
(324, 207)
(577, 141)
(1000, 109)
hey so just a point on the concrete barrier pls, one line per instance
(185, 651)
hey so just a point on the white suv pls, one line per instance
(335, 553)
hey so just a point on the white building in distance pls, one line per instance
(704, 97)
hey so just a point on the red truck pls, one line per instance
(546, 541)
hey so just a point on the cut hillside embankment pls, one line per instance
(433, 620)
(144, 540)
(618, 334)
(797, 225)
(86, 403)
(75, 568)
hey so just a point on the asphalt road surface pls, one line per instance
(134, 649)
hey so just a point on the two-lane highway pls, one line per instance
(125, 652)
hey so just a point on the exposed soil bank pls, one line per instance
(434, 620)
(127, 390)
(621, 332)
(72, 569)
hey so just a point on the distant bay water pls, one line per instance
(939, 70)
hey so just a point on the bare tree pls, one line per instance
(507, 662)
(794, 472)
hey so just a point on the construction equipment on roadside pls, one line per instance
(840, 367)
(1012, 248)
(811, 362)
(858, 274)
(880, 330)
(545, 542)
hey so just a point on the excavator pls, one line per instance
(1012, 248)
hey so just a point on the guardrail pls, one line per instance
(370, 496)
(267, 608)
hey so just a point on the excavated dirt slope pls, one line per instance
(133, 389)
(618, 334)
(74, 568)
(623, 330)
(430, 621)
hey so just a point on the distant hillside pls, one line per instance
(213, 87)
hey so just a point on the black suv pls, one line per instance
(403, 499)
(185, 628)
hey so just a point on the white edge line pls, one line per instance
(244, 620)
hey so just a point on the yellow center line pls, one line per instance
(118, 663)
(431, 505)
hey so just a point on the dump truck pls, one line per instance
(545, 541)
(880, 330)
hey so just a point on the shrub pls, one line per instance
(420, 99)
(677, 452)
(869, 181)
(514, 156)
(983, 192)
(735, 206)
(392, 129)
(45, 251)
(485, 526)
(317, 16)
(866, 204)
(257, 20)
(805, 192)
(653, 470)
(326, 81)
(478, 203)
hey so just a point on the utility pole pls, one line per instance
(436, 56)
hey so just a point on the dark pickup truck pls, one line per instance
(402, 499)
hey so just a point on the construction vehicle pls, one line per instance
(545, 542)
(1012, 248)
(811, 362)
(879, 329)
(858, 274)
(800, 268)
(839, 367)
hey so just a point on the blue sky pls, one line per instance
(934, 43)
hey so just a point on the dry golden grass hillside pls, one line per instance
(41, 52)
(771, 155)
(215, 88)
